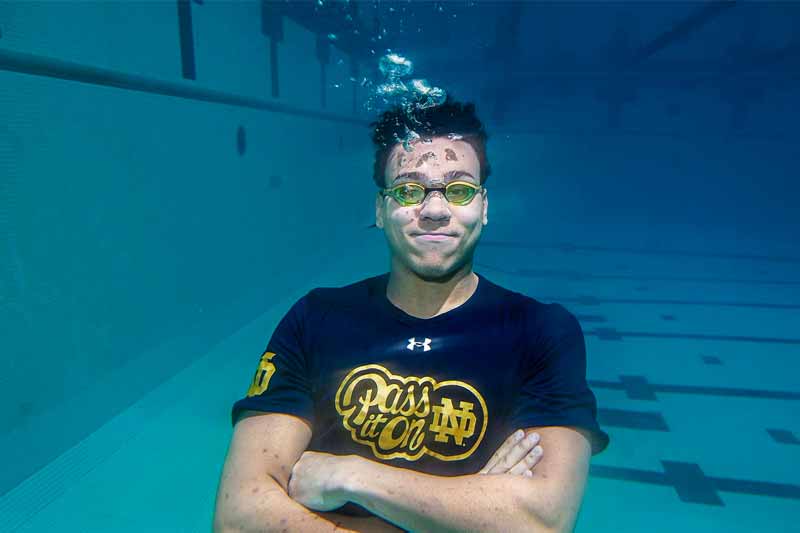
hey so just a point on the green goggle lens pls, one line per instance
(413, 193)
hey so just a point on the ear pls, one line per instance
(379, 209)
(485, 207)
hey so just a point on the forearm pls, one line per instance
(264, 506)
(421, 502)
(362, 524)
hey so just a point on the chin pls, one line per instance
(434, 271)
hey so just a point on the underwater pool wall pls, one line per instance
(156, 197)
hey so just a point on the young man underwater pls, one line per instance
(391, 404)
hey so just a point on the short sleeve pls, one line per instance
(281, 382)
(554, 391)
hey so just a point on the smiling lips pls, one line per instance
(433, 237)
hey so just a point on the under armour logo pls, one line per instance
(412, 343)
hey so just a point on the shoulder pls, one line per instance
(323, 299)
(542, 319)
(498, 297)
(536, 312)
(553, 320)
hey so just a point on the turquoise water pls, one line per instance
(162, 205)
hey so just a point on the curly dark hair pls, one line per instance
(449, 117)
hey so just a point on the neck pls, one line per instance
(426, 297)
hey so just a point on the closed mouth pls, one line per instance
(433, 236)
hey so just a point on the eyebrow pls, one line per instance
(419, 176)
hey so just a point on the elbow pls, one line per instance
(248, 508)
(226, 529)
(540, 525)
(543, 518)
(556, 519)
(220, 526)
(548, 522)
(219, 523)
(557, 528)
(226, 522)
(235, 523)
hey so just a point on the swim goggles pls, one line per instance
(413, 193)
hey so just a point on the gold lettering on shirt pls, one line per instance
(263, 374)
(412, 416)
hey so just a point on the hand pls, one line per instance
(515, 456)
(315, 481)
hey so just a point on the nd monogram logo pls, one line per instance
(412, 343)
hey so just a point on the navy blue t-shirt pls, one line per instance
(436, 395)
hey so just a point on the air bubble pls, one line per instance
(395, 66)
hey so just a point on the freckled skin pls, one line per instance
(450, 155)
(424, 158)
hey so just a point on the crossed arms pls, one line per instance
(255, 493)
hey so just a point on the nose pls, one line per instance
(435, 209)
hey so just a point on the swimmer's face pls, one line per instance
(432, 164)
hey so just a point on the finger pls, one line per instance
(528, 462)
(507, 456)
(515, 454)
(507, 444)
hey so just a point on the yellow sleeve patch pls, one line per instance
(263, 374)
